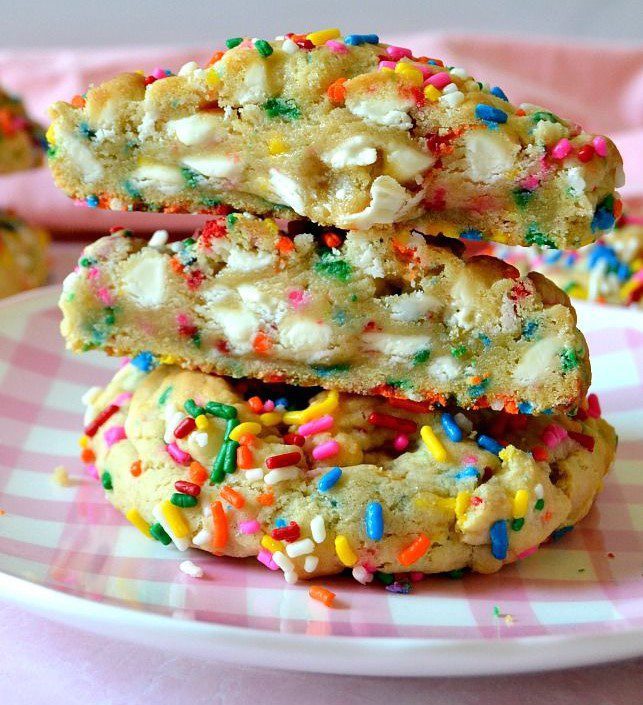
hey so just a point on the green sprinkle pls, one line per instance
(421, 356)
(106, 481)
(160, 534)
(166, 393)
(327, 370)
(218, 472)
(569, 359)
(330, 266)
(517, 524)
(281, 108)
(196, 340)
(540, 503)
(386, 578)
(221, 411)
(399, 383)
(496, 611)
(456, 574)
(192, 409)
(210, 202)
(232, 423)
(192, 178)
(233, 42)
(110, 316)
(540, 115)
(231, 219)
(132, 191)
(263, 47)
(86, 261)
(183, 500)
(230, 457)
(533, 236)
(522, 196)
(459, 351)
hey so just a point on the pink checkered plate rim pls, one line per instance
(67, 554)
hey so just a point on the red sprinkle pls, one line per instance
(593, 406)
(186, 487)
(255, 404)
(104, 415)
(332, 240)
(283, 460)
(583, 439)
(294, 439)
(586, 153)
(419, 407)
(288, 533)
(184, 427)
(476, 501)
(395, 423)
(539, 453)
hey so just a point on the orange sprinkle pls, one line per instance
(414, 551)
(331, 240)
(511, 407)
(197, 473)
(232, 497)
(261, 343)
(248, 439)
(87, 455)
(336, 92)
(618, 208)
(135, 468)
(2, 512)
(520, 113)
(78, 101)
(266, 500)
(285, 245)
(176, 266)
(317, 592)
(245, 459)
(219, 526)
(255, 404)
(215, 57)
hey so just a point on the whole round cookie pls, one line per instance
(346, 481)
(23, 254)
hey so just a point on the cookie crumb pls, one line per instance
(191, 569)
(60, 476)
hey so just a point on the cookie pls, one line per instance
(346, 132)
(23, 254)
(402, 315)
(21, 139)
(345, 481)
(609, 271)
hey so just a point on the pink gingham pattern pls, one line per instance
(70, 539)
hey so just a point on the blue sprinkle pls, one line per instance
(451, 428)
(466, 473)
(529, 329)
(399, 588)
(603, 219)
(561, 532)
(329, 479)
(374, 521)
(282, 402)
(552, 256)
(490, 114)
(486, 340)
(357, 39)
(471, 234)
(477, 390)
(92, 201)
(145, 361)
(488, 443)
(280, 522)
(499, 93)
(525, 407)
(499, 539)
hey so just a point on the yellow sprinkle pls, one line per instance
(60, 476)
(344, 551)
(432, 93)
(521, 502)
(135, 517)
(421, 501)
(432, 442)
(201, 422)
(270, 418)
(83, 441)
(446, 503)
(276, 146)
(441, 227)
(409, 73)
(504, 454)
(314, 411)
(576, 291)
(167, 359)
(320, 37)
(271, 544)
(637, 264)
(245, 427)
(462, 501)
(270, 224)
(212, 78)
(175, 521)
(51, 139)
(386, 69)
(628, 288)
(499, 236)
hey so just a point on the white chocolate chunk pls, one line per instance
(191, 569)
(388, 198)
(196, 129)
(355, 151)
(237, 324)
(395, 346)
(144, 280)
(445, 368)
(305, 337)
(390, 112)
(254, 88)
(405, 163)
(410, 307)
(287, 191)
(216, 166)
(82, 156)
(166, 179)
(489, 155)
(540, 359)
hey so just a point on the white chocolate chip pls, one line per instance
(216, 166)
(197, 129)
(355, 151)
(489, 155)
(540, 359)
(287, 191)
(144, 278)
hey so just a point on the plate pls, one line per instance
(66, 553)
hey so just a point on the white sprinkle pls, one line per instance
(459, 72)
(311, 563)
(202, 539)
(89, 397)
(159, 238)
(289, 46)
(450, 88)
(452, 99)
(200, 438)
(300, 548)
(539, 491)
(281, 475)
(464, 423)
(254, 475)
(191, 569)
(188, 68)
(170, 425)
(318, 528)
(362, 575)
(290, 577)
(282, 560)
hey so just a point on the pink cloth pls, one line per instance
(599, 86)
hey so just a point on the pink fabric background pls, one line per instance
(601, 87)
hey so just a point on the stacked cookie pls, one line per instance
(319, 377)
(23, 246)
